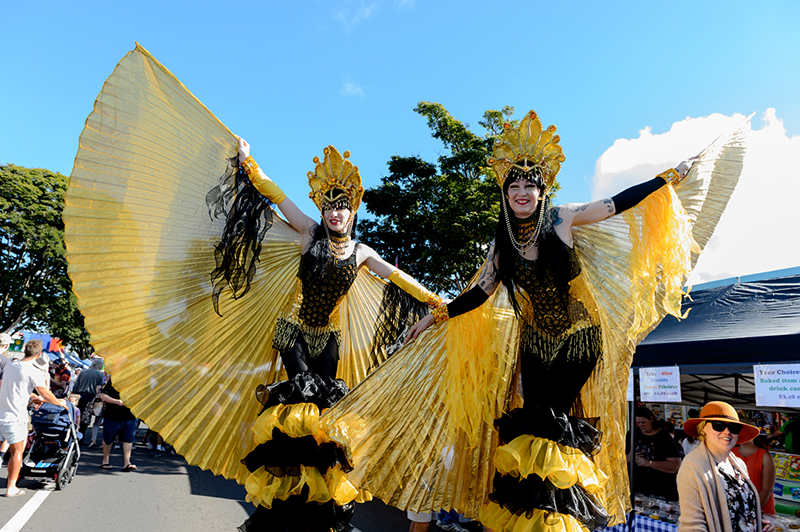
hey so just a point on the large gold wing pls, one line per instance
(605, 251)
(140, 245)
(405, 456)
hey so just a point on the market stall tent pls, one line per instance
(731, 326)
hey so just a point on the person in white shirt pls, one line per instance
(5, 343)
(20, 378)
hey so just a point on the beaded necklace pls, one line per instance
(528, 229)
(337, 242)
(338, 245)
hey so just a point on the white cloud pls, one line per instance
(351, 13)
(352, 89)
(757, 232)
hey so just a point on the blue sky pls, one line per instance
(293, 77)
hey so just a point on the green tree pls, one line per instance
(35, 291)
(436, 220)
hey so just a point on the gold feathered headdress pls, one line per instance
(335, 179)
(528, 147)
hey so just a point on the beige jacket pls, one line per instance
(704, 507)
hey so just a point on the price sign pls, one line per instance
(777, 384)
(660, 385)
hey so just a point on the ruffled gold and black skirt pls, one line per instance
(298, 473)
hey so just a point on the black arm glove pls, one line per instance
(630, 197)
(469, 300)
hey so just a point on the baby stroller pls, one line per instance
(54, 453)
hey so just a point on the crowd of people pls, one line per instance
(29, 378)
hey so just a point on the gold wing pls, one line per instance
(140, 245)
(605, 251)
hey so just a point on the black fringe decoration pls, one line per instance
(398, 312)
(248, 217)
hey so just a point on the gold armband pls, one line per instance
(440, 314)
(416, 290)
(249, 165)
(671, 176)
(263, 184)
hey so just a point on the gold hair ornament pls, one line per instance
(335, 172)
(530, 145)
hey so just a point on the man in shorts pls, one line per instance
(20, 378)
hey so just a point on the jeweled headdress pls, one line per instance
(335, 173)
(529, 145)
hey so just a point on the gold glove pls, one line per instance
(263, 184)
(419, 292)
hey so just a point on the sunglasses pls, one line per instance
(720, 426)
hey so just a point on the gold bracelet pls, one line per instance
(434, 301)
(440, 314)
(671, 176)
(250, 165)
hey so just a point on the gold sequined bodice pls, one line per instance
(557, 301)
(321, 293)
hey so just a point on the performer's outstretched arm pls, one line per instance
(369, 258)
(573, 214)
(301, 222)
(473, 298)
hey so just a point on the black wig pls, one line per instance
(507, 255)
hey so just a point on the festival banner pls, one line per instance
(777, 384)
(660, 385)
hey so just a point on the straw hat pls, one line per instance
(720, 411)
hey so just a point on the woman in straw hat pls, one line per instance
(715, 491)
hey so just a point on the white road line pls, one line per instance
(21, 517)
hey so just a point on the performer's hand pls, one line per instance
(768, 527)
(686, 165)
(244, 149)
(641, 461)
(418, 327)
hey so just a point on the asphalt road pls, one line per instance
(165, 494)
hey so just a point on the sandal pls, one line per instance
(129, 467)
(106, 466)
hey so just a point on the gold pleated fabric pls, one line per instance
(140, 246)
(501, 520)
(412, 457)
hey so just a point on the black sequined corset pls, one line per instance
(549, 290)
(321, 293)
